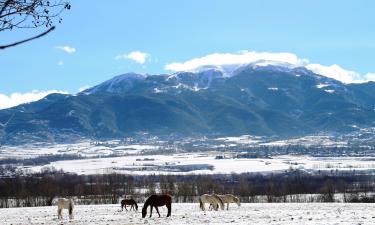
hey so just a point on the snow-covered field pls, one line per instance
(156, 157)
(205, 163)
(189, 213)
(90, 148)
(84, 148)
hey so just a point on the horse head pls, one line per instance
(136, 206)
(238, 201)
(144, 211)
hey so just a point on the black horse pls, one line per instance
(156, 201)
(131, 202)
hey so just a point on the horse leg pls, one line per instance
(157, 210)
(59, 213)
(169, 206)
(70, 212)
(228, 206)
(126, 208)
(151, 211)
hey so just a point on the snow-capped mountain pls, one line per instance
(262, 98)
(117, 84)
(200, 78)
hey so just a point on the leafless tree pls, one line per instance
(18, 14)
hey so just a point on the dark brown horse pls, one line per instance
(156, 201)
(131, 202)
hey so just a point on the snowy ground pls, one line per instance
(205, 163)
(89, 148)
(189, 213)
(84, 148)
(146, 158)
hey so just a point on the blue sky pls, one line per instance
(324, 32)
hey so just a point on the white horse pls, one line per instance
(229, 198)
(214, 200)
(65, 203)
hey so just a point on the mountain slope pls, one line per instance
(259, 100)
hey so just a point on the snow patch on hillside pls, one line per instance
(329, 91)
(322, 85)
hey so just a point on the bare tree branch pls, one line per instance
(26, 40)
(19, 14)
(6, 3)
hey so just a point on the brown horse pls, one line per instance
(131, 202)
(156, 201)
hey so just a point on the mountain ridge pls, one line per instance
(265, 100)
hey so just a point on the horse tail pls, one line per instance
(200, 203)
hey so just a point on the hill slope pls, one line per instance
(259, 100)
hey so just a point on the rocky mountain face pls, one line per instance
(267, 100)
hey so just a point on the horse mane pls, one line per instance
(231, 196)
(235, 198)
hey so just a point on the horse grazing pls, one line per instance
(131, 202)
(229, 198)
(156, 201)
(65, 203)
(214, 200)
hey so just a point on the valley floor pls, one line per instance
(189, 213)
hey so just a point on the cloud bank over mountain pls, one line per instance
(285, 58)
(14, 99)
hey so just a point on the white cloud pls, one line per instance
(242, 57)
(336, 72)
(67, 49)
(370, 77)
(246, 57)
(14, 99)
(60, 63)
(137, 56)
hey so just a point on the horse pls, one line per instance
(131, 202)
(65, 203)
(156, 201)
(229, 198)
(214, 200)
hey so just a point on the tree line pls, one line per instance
(40, 189)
